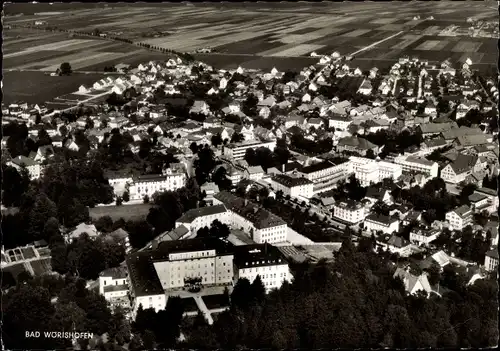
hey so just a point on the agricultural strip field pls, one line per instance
(26, 86)
(127, 212)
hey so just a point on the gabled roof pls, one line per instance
(463, 163)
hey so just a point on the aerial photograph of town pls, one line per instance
(254, 175)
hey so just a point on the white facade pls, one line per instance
(203, 221)
(369, 171)
(148, 185)
(272, 276)
(373, 225)
(206, 264)
(326, 176)
(459, 221)
(413, 164)
(351, 213)
(237, 151)
(295, 187)
(490, 263)
(449, 175)
(34, 168)
(339, 124)
(423, 237)
(157, 301)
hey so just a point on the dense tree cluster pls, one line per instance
(433, 198)
(28, 307)
(217, 230)
(352, 303)
(14, 184)
(470, 247)
(311, 147)
(204, 164)
(394, 142)
(170, 205)
(267, 158)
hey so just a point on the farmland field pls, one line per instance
(253, 35)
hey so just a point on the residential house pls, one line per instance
(350, 211)
(423, 236)
(459, 218)
(297, 187)
(33, 167)
(491, 260)
(356, 144)
(457, 171)
(413, 284)
(254, 173)
(386, 224)
(200, 107)
(339, 122)
(365, 88)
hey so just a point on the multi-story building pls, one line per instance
(113, 284)
(458, 170)
(294, 186)
(423, 236)
(459, 218)
(197, 218)
(263, 260)
(34, 167)
(210, 260)
(236, 151)
(324, 175)
(339, 122)
(491, 260)
(369, 171)
(261, 225)
(418, 165)
(149, 184)
(350, 211)
(385, 224)
(492, 198)
(144, 286)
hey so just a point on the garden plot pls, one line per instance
(432, 45)
(78, 63)
(356, 33)
(299, 39)
(466, 46)
(475, 57)
(383, 20)
(298, 50)
(84, 45)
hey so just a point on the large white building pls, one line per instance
(149, 184)
(423, 236)
(197, 218)
(385, 224)
(459, 218)
(418, 165)
(34, 167)
(236, 151)
(263, 260)
(298, 187)
(369, 171)
(113, 284)
(491, 260)
(261, 225)
(350, 211)
(324, 175)
(172, 264)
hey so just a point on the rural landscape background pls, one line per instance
(92, 37)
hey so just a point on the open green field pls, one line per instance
(36, 87)
(127, 212)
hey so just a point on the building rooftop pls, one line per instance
(257, 255)
(194, 213)
(463, 163)
(398, 241)
(260, 217)
(113, 288)
(142, 275)
(419, 160)
(317, 167)
(290, 182)
(115, 272)
(165, 248)
(385, 220)
(462, 210)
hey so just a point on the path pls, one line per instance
(376, 43)
(203, 308)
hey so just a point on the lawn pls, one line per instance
(189, 304)
(127, 212)
(26, 86)
(215, 301)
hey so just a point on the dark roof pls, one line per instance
(165, 248)
(493, 253)
(398, 241)
(115, 272)
(291, 166)
(260, 217)
(354, 141)
(142, 275)
(317, 167)
(194, 213)
(289, 182)
(115, 288)
(462, 210)
(463, 163)
(386, 220)
(257, 255)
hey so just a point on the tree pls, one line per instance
(216, 140)
(119, 201)
(126, 196)
(65, 69)
(237, 137)
(14, 185)
(43, 209)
